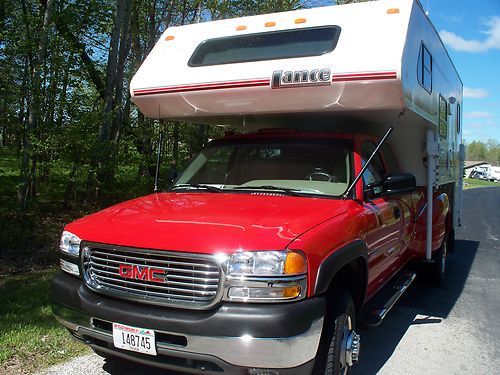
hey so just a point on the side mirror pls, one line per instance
(393, 184)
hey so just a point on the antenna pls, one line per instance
(158, 159)
(358, 176)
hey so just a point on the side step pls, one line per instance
(385, 299)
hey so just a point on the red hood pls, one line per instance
(204, 222)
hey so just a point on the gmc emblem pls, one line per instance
(156, 275)
(301, 78)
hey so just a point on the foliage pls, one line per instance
(488, 151)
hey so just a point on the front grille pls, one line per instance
(187, 280)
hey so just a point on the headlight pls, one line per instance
(267, 263)
(70, 244)
(266, 276)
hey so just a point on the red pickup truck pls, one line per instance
(259, 259)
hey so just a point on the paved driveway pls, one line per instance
(454, 329)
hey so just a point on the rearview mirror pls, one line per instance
(393, 184)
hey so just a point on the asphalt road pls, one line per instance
(454, 329)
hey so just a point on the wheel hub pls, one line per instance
(352, 348)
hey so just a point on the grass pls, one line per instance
(471, 183)
(30, 337)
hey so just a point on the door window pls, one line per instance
(375, 171)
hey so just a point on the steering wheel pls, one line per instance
(320, 173)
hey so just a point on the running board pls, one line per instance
(385, 300)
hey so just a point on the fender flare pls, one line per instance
(338, 259)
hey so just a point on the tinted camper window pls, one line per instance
(424, 69)
(282, 44)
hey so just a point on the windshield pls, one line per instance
(309, 167)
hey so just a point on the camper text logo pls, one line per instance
(301, 78)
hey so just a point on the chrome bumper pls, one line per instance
(244, 351)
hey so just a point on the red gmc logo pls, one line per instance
(143, 273)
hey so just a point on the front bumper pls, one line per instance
(232, 338)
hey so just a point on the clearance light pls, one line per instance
(393, 11)
(295, 263)
(300, 20)
(170, 37)
(241, 28)
(270, 24)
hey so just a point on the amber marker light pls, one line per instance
(393, 11)
(270, 24)
(300, 20)
(241, 28)
(291, 291)
(169, 37)
(295, 263)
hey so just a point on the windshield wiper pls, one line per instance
(210, 188)
(288, 191)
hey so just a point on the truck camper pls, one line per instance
(275, 244)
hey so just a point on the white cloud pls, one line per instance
(469, 92)
(477, 114)
(492, 40)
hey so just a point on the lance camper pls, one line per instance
(277, 241)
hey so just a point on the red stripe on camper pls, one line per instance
(203, 86)
(364, 76)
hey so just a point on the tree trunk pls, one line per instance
(26, 175)
(101, 163)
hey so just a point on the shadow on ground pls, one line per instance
(435, 304)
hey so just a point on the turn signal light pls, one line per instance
(300, 20)
(291, 291)
(295, 263)
(241, 28)
(270, 24)
(169, 37)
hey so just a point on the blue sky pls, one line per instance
(471, 32)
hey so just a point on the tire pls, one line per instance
(437, 269)
(451, 242)
(338, 329)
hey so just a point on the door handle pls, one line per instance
(397, 213)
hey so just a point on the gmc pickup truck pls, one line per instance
(253, 259)
(272, 247)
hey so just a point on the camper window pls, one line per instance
(284, 44)
(443, 117)
(424, 69)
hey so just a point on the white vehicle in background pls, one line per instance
(479, 172)
(493, 174)
(486, 172)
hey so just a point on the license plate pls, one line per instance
(140, 340)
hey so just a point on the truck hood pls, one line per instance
(207, 222)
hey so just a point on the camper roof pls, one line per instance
(355, 61)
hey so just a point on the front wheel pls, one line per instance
(339, 345)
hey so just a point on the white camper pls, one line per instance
(358, 68)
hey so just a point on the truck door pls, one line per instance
(385, 221)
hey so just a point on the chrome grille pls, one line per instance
(187, 280)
